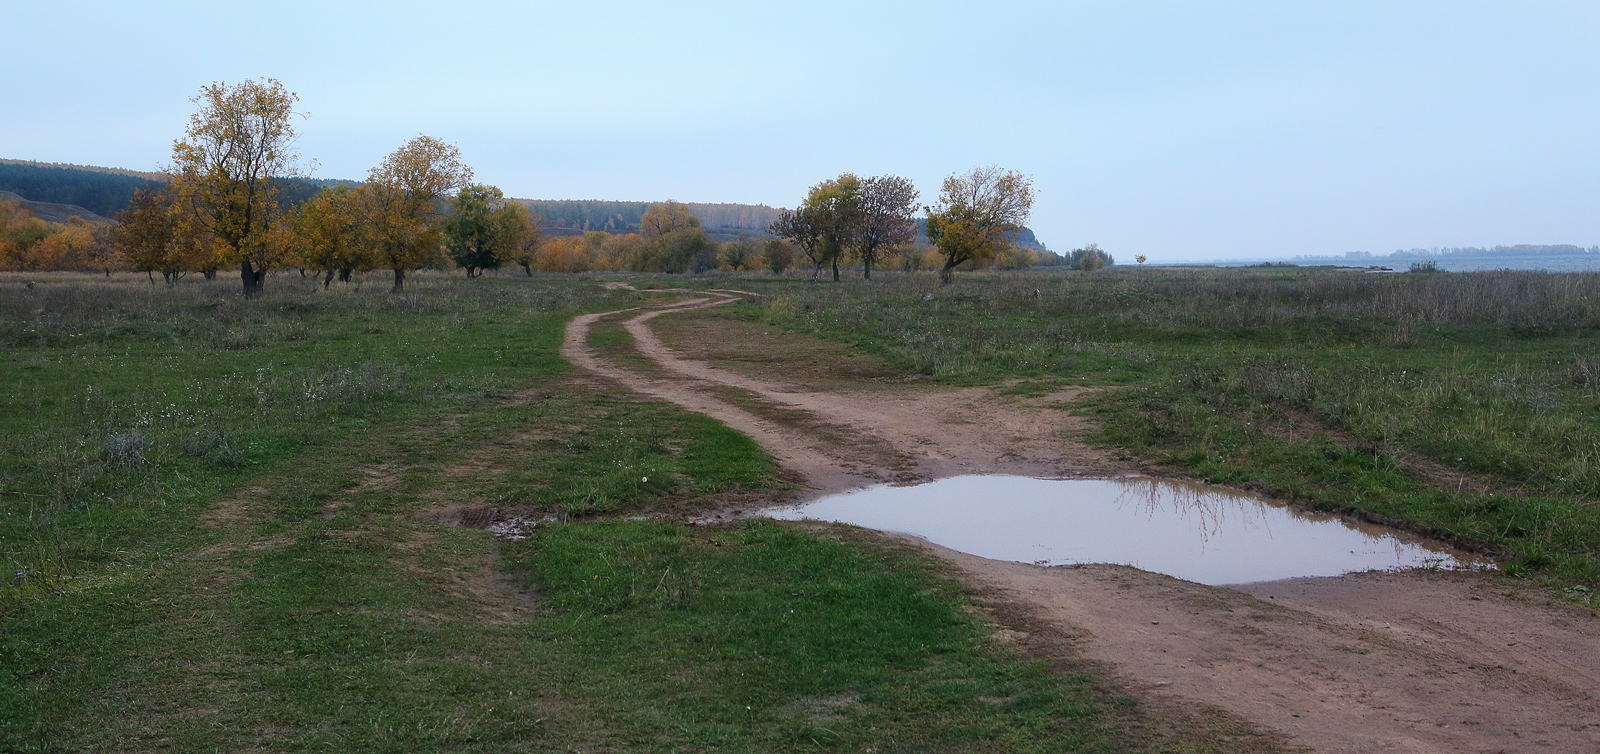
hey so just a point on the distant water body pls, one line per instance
(1545, 262)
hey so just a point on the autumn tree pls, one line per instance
(740, 253)
(564, 254)
(481, 230)
(978, 215)
(802, 227)
(665, 217)
(673, 240)
(884, 218)
(618, 252)
(401, 202)
(153, 237)
(823, 226)
(105, 253)
(237, 147)
(329, 233)
(778, 255)
(524, 235)
(20, 232)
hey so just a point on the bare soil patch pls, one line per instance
(1414, 661)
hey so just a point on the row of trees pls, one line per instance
(223, 207)
(217, 212)
(229, 203)
(975, 220)
(849, 215)
(223, 198)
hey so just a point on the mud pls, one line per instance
(1416, 661)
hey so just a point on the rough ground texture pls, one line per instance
(1407, 662)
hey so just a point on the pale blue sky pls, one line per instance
(1177, 130)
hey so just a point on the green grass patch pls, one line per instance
(765, 638)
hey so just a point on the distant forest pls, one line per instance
(624, 217)
(107, 191)
(99, 190)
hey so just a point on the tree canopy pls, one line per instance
(239, 142)
(978, 215)
(886, 206)
(330, 234)
(482, 231)
(402, 196)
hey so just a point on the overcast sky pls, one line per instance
(1178, 130)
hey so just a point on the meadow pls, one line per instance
(1462, 405)
(232, 524)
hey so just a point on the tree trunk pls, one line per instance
(327, 279)
(150, 274)
(344, 274)
(399, 280)
(836, 268)
(816, 273)
(209, 273)
(255, 281)
(527, 268)
(947, 273)
(866, 264)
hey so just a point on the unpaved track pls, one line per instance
(1410, 662)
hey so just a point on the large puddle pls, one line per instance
(1197, 532)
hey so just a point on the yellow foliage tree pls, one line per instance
(564, 254)
(329, 236)
(617, 252)
(237, 147)
(524, 228)
(977, 216)
(401, 199)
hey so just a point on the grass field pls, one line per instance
(1466, 404)
(226, 528)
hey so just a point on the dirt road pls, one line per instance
(1407, 662)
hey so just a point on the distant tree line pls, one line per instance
(235, 198)
(625, 217)
(102, 193)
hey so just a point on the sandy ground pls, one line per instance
(1403, 662)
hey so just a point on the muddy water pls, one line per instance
(1201, 533)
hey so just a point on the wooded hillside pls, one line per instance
(103, 191)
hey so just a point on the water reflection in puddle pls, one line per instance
(1197, 532)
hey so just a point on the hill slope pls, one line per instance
(52, 212)
(102, 191)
